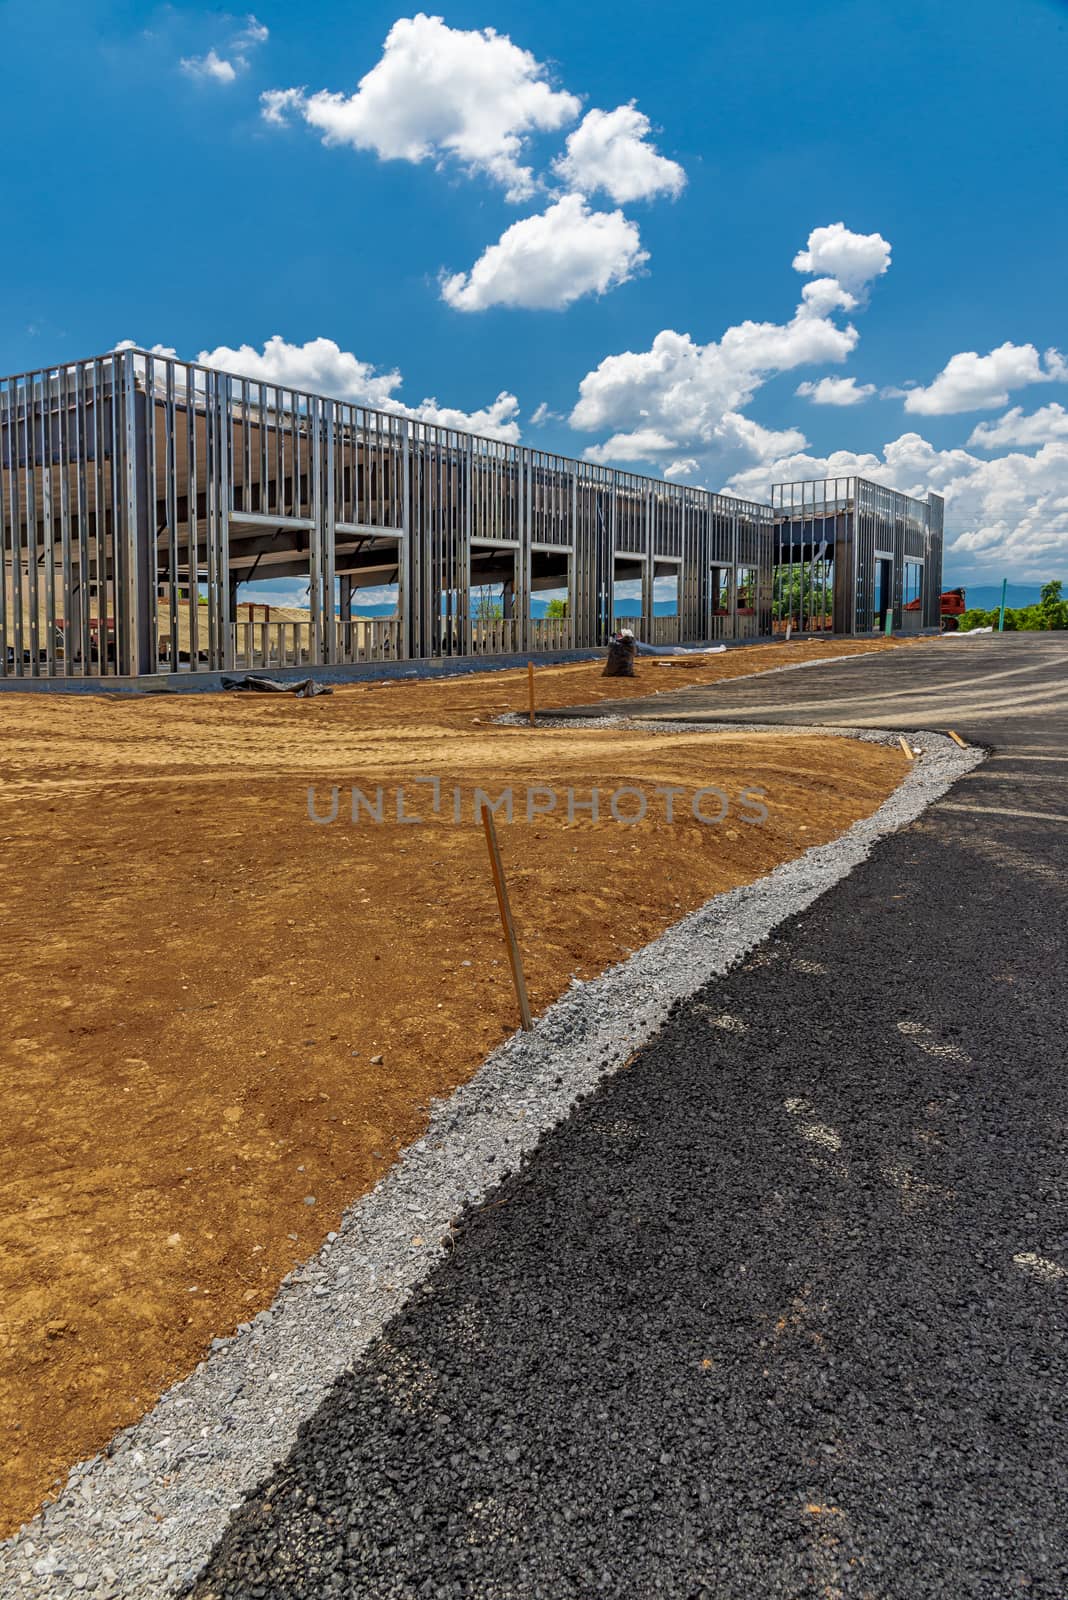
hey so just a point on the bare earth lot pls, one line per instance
(195, 981)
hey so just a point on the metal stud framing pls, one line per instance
(841, 549)
(138, 491)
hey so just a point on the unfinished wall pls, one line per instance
(835, 540)
(137, 492)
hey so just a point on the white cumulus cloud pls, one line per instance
(320, 366)
(1007, 515)
(253, 32)
(760, 443)
(1043, 426)
(643, 444)
(680, 404)
(971, 382)
(680, 396)
(496, 421)
(686, 389)
(276, 104)
(216, 68)
(835, 391)
(153, 349)
(440, 92)
(854, 259)
(611, 150)
(546, 261)
(824, 295)
(729, 432)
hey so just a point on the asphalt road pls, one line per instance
(780, 1310)
(990, 689)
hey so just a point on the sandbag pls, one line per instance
(621, 650)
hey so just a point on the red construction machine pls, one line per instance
(951, 608)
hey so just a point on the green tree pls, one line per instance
(1050, 612)
(1053, 607)
(801, 592)
(486, 607)
(556, 608)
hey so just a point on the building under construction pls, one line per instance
(138, 493)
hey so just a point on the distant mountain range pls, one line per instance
(985, 596)
(981, 596)
(538, 608)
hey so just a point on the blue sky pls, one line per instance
(591, 230)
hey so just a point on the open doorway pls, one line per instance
(628, 595)
(802, 589)
(368, 620)
(912, 597)
(746, 618)
(552, 623)
(664, 623)
(884, 591)
(492, 622)
(721, 593)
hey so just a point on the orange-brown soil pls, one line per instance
(197, 981)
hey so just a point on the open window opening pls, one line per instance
(628, 595)
(665, 620)
(493, 617)
(802, 588)
(552, 625)
(912, 597)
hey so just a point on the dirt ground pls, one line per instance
(223, 1021)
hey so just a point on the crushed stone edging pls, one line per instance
(140, 1521)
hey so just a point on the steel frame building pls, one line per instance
(850, 553)
(138, 491)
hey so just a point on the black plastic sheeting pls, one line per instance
(303, 688)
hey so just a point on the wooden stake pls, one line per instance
(530, 687)
(505, 909)
(909, 751)
(957, 739)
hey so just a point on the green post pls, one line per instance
(889, 630)
(1001, 613)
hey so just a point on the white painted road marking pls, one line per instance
(1003, 811)
(1018, 777)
